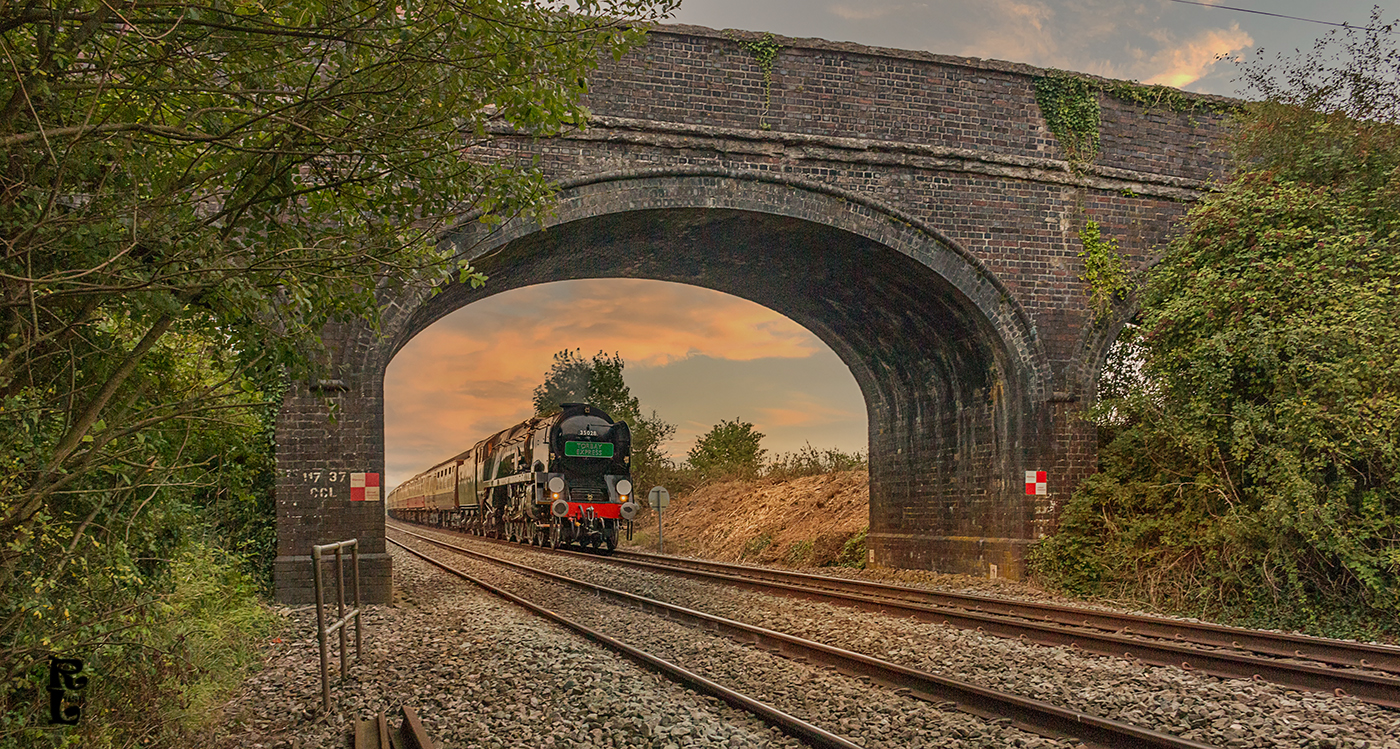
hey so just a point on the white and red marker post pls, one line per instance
(1037, 482)
(364, 487)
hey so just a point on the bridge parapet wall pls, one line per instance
(700, 76)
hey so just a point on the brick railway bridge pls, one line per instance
(912, 210)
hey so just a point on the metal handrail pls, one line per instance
(323, 631)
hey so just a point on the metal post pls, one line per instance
(359, 622)
(321, 631)
(340, 603)
(660, 539)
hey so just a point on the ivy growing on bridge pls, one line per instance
(1070, 105)
(764, 50)
(1069, 102)
(1105, 270)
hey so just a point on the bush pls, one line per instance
(158, 669)
(810, 461)
(1256, 475)
(730, 449)
(853, 551)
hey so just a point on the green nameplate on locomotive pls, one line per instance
(588, 449)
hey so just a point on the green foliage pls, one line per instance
(764, 51)
(800, 552)
(1353, 74)
(569, 380)
(755, 546)
(599, 382)
(1070, 105)
(1151, 97)
(159, 664)
(810, 461)
(853, 551)
(189, 194)
(1069, 102)
(1105, 270)
(729, 449)
(1258, 476)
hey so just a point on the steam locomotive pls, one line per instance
(549, 480)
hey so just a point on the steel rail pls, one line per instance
(377, 733)
(789, 724)
(1285, 645)
(1374, 688)
(1028, 714)
(373, 733)
(1377, 689)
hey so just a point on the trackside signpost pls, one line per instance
(658, 498)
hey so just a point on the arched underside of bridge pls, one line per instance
(953, 377)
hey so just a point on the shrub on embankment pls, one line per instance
(159, 662)
(1253, 474)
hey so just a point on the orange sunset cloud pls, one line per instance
(473, 372)
(1184, 63)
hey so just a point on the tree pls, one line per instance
(1258, 473)
(189, 192)
(599, 382)
(569, 380)
(730, 448)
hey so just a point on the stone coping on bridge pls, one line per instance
(881, 152)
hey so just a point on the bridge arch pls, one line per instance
(952, 373)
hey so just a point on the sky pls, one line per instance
(698, 357)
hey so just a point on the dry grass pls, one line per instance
(800, 522)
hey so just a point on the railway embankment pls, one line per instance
(808, 522)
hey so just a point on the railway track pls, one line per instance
(1278, 644)
(378, 733)
(1031, 715)
(1294, 661)
(791, 725)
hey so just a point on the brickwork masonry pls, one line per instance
(931, 180)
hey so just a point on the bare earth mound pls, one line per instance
(799, 522)
(804, 522)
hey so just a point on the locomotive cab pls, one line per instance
(588, 484)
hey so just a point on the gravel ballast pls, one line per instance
(482, 673)
(1228, 713)
(871, 715)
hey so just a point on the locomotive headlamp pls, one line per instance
(559, 508)
(556, 484)
(628, 510)
(624, 487)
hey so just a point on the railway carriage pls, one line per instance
(550, 480)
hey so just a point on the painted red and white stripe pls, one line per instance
(364, 487)
(1037, 482)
